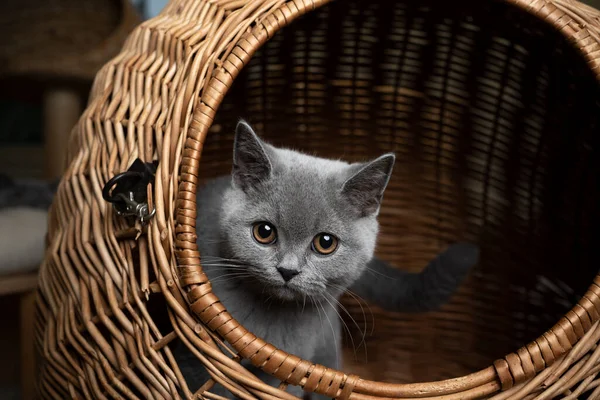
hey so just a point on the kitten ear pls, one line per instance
(251, 164)
(364, 189)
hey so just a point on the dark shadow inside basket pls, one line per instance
(494, 118)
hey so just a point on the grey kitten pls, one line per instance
(285, 235)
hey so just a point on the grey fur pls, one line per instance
(302, 196)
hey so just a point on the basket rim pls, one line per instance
(580, 25)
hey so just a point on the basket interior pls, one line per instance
(493, 116)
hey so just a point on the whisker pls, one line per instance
(332, 331)
(303, 302)
(334, 308)
(222, 279)
(314, 302)
(230, 277)
(231, 273)
(267, 302)
(232, 266)
(371, 270)
(218, 261)
(360, 302)
(354, 348)
(221, 259)
(212, 241)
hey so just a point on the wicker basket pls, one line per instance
(493, 110)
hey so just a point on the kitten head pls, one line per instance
(303, 226)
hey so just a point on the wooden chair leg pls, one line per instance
(62, 108)
(28, 361)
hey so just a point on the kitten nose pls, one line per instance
(287, 274)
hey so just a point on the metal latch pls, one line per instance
(128, 191)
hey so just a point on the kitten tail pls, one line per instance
(396, 290)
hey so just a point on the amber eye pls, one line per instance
(264, 233)
(324, 243)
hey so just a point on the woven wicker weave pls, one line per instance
(493, 110)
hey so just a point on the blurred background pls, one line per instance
(50, 51)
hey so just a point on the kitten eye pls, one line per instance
(324, 243)
(264, 233)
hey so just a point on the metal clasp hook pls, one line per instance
(128, 191)
(133, 208)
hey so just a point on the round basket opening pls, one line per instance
(493, 117)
